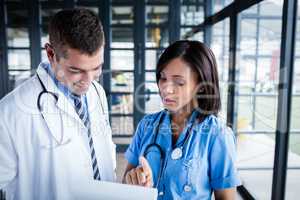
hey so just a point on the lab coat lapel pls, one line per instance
(56, 114)
(95, 110)
(94, 116)
(62, 103)
(99, 128)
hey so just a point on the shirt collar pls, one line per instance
(65, 90)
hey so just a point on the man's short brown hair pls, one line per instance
(78, 29)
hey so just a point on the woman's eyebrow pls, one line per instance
(177, 76)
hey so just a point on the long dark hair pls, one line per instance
(202, 60)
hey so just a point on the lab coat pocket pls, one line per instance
(53, 137)
(49, 142)
(54, 134)
(55, 145)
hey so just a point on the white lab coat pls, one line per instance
(38, 163)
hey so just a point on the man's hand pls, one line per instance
(141, 175)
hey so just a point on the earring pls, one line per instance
(201, 90)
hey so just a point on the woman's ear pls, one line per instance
(200, 90)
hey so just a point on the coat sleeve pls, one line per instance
(8, 156)
(223, 172)
(133, 151)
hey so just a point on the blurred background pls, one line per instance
(257, 46)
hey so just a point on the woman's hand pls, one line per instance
(140, 175)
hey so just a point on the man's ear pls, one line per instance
(50, 52)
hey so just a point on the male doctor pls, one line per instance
(54, 129)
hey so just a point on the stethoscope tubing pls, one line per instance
(40, 108)
(45, 91)
(160, 149)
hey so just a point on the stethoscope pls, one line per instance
(176, 153)
(40, 108)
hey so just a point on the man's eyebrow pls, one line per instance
(99, 66)
(76, 68)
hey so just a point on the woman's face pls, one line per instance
(178, 85)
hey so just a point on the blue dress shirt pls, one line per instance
(69, 95)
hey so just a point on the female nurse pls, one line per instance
(185, 150)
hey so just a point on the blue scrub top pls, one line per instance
(207, 163)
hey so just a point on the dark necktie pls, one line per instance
(83, 115)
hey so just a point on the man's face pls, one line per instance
(76, 70)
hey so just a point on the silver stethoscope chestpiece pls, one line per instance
(187, 188)
(176, 153)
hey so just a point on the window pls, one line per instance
(220, 47)
(258, 65)
(293, 172)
